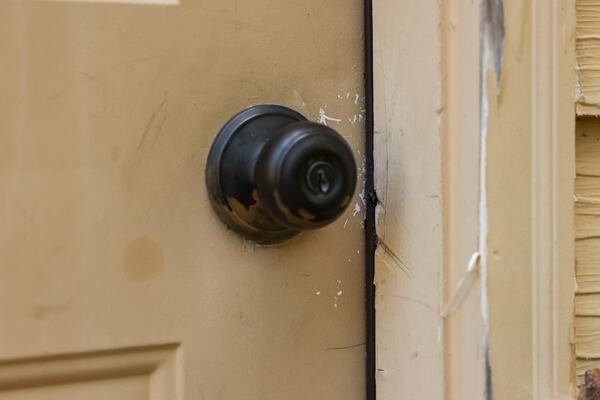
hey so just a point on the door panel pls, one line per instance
(109, 249)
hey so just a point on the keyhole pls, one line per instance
(320, 177)
(323, 182)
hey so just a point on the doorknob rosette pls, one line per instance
(272, 174)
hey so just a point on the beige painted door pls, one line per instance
(117, 281)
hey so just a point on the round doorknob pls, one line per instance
(271, 174)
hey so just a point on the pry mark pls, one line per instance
(397, 260)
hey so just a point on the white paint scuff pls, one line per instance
(379, 213)
(356, 210)
(336, 297)
(324, 118)
(464, 286)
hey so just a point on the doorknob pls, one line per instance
(271, 174)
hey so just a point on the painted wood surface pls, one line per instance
(588, 57)
(587, 245)
(464, 373)
(433, 168)
(107, 238)
(530, 175)
(408, 181)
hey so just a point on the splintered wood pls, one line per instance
(590, 389)
(587, 245)
(588, 57)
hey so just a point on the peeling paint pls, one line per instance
(491, 45)
(379, 213)
(361, 195)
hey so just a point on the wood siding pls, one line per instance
(588, 57)
(587, 245)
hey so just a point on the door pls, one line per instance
(117, 279)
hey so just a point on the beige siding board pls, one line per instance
(587, 244)
(587, 284)
(587, 187)
(587, 195)
(586, 208)
(584, 364)
(588, 147)
(587, 256)
(587, 226)
(588, 57)
(587, 337)
(588, 305)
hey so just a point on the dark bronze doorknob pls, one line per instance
(271, 174)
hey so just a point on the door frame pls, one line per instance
(371, 201)
(499, 271)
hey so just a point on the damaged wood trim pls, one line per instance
(529, 156)
(491, 56)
